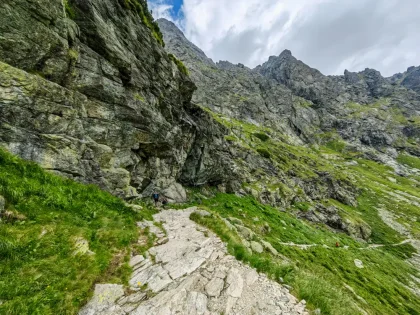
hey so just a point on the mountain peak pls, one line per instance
(286, 53)
(170, 26)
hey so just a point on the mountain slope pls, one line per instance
(303, 160)
(360, 114)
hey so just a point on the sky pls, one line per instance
(330, 35)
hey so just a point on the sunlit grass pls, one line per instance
(39, 273)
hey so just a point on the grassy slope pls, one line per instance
(39, 274)
(327, 277)
(319, 274)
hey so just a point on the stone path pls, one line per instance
(190, 272)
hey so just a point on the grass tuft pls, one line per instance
(181, 67)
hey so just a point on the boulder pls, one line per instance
(175, 193)
(245, 232)
(235, 221)
(202, 213)
(358, 263)
(269, 247)
(256, 247)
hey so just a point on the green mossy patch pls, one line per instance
(70, 12)
(181, 67)
(262, 136)
(264, 153)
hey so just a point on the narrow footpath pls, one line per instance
(189, 272)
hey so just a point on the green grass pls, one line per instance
(264, 152)
(181, 67)
(336, 145)
(140, 7)
(409, 160)
(70, 12)
(319, 274)
(39, 273)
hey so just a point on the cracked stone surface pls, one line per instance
(192, 273)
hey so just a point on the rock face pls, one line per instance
(330, 216)
(410, 79)
(237, 91)
(192, 274)
(87, 91)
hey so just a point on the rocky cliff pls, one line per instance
(87, 91)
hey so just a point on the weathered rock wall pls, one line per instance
(87, 90)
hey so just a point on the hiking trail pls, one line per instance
(189, 272)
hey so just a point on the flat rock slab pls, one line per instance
(192, 273)
(103, 301)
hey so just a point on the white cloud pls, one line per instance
(331, 35)
(161, 9)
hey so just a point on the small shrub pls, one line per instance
(264, 153)
(73, 54)
(262, 136)
(230, 138)
(336, 145)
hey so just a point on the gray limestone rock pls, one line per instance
(245, 232)
(331, 216)
(269, 247)
(214, 287)
(104, 300)
(358, 263)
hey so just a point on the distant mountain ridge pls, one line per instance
(269, 94)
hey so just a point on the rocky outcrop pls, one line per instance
(409, 79)
(191, 273)
(341, 101)
(330, 215)
(87, 91)
(237, 91)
